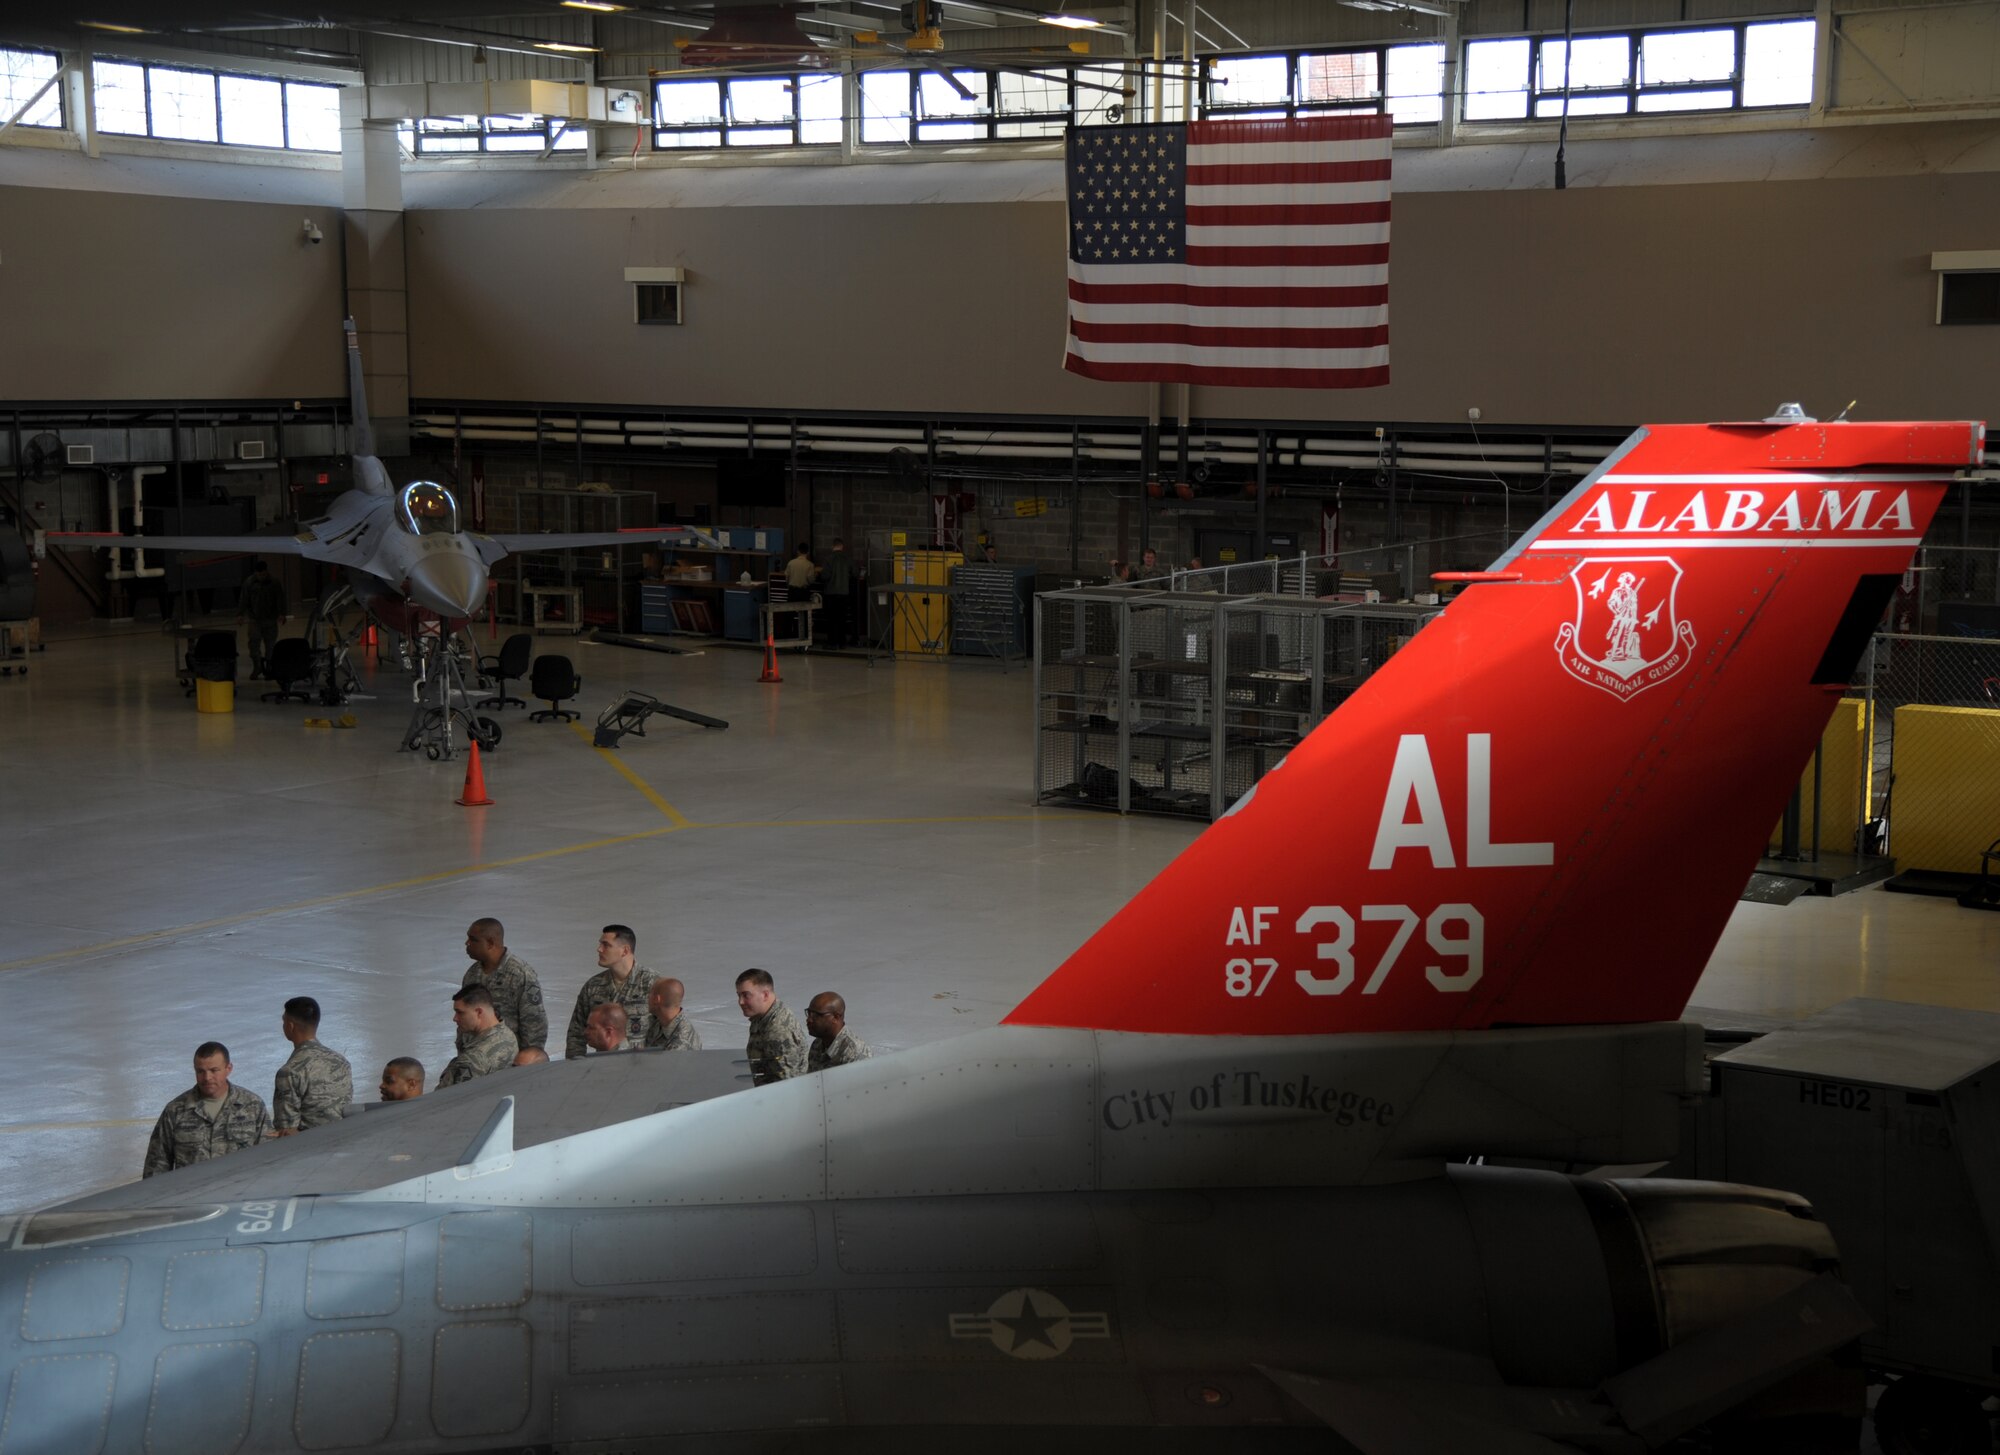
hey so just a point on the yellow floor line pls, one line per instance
(850, 823)
(248, 915)
(608, 755)
(71, 1126)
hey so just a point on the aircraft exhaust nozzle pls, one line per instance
(452, 585)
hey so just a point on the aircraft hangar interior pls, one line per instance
(1340, 866)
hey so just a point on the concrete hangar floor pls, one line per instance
(172, 877)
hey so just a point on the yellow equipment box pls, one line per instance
(1945, 805)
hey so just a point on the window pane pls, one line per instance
(121, 97)
(760, 136)
(183, 103)
(1416, 83)
(1094, 105)
(1685, 100)
(689, 139)
(1171, 91)
(938, 97)
(819, 109)
(680, 102)
(1601, 61)
(885, 106)
(455, 143)
(517, 141)
(312, 117)
(951, 131)
(1261, 115)
(573, 139)
(448, 134)
(1496, 79)
(1354, 76)
(22, 74)
(253, 111)
(1249, 81)
(763, 100)
(1039, 94)
(1778, 64)
(1677, 57)
(1584, 105)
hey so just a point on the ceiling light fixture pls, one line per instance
(563, 47)
(598, 5)
(1072, 22)
(107, 25)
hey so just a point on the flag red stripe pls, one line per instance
(1369, 378)
(1281, 215)
(1265, 174)
(1304, 128)
(1196, 296)
(1355, 256)
(1241, 338)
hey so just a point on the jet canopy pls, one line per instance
(427, 509)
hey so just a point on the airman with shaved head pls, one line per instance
(833, 1044)
(510, 980)
(671, 1029)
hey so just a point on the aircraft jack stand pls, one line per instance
(438, 717)
(628, 716)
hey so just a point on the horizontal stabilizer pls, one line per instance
(240, 545)
(1673, 1392)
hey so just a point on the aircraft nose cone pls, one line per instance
(448, 583)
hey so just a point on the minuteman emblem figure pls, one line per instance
(1642, 645)
(1622, 641)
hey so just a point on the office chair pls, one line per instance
(510, 663)
(290, 670)
(555, 682)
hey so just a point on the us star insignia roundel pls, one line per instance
(1626, 635)
(1031, 1323)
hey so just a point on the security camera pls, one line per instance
(313, 234)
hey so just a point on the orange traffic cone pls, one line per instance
(770, 673)
(474, 793)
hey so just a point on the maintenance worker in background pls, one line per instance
(485, 1046)
(833, 1044)
(511, 982)
(210, 1118)
(777, 1046)
(402, 1079)
(837, 582)
(800, 572)
(987, 555)
(620, 980)
(261, 602)
(315, 1086)
(605, 1032)
(670, 1030)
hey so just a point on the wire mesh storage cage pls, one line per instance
(1178, 702)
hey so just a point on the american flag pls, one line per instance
(1253, 253)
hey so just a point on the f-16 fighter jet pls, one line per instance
(404, 548)
(1212, 1181)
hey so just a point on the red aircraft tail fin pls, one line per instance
(1542, 810)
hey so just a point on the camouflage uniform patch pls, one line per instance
(490, 1051)
(603, 989)
(777, 1046)
(517, 1000)
(842, 1049)
(312, 1089)
(184, 1135)
(677, 1034)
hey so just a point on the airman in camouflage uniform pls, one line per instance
(621, 980)
(316, 1084)
(487, 1046)
(210, 1118)
(510, 980)
(777, 1047)
(671, 1029)
(833, 1043)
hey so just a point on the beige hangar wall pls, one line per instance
(1598, 305)
(119, 296)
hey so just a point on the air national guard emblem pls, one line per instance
(1626, 636)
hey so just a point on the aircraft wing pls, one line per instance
(239, 545)
(492, 547)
